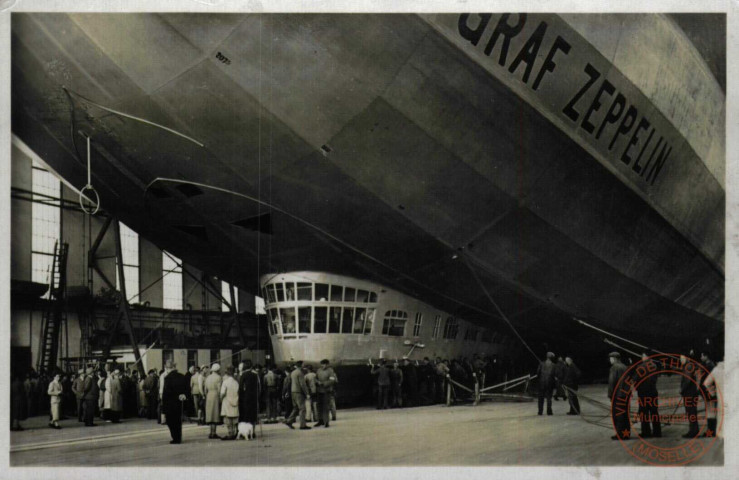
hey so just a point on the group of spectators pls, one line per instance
(405, 383)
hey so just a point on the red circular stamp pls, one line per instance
(671, 423)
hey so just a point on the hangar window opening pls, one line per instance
(46, 226)
(394, 323)
(470, 334)
(437, 327)
(451, 328)
(130, 254)
(320, 321)
(417, 324)
(171, 282)
(226, 294)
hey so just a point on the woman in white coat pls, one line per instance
(212, 392)
(55, 392)
(230, 403)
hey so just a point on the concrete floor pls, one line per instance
(493, 433)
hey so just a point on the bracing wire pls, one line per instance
(318, 229)
(497, 308)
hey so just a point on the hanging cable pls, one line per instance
(133, 117)
(500, 312)
(88, 187)
(320, 230)
(581, 322)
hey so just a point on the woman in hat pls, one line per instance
(55, 392)
(212, 392)
(230, 403)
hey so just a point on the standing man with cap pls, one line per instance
(174, 393)
(545, 374)
(91, 393)
(689, 391)
(325, 382)
(78, 390)
(571, 380)
(383, 383)
(620, 422)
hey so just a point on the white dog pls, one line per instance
(246, 431)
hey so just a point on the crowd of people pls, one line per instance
(404, 383)
(207, 394)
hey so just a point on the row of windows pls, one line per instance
(319, 292)
(295, 320)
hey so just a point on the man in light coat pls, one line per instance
(230, 403)
(299, 393)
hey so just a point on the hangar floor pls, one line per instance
(492, 433)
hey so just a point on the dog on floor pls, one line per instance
(246, 431)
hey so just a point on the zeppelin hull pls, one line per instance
(389, 147)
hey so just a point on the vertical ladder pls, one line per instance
(55, 313)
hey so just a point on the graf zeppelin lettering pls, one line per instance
(595, 105)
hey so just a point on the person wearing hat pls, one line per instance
(571, 380)
(648, 398)
(174, 393)
(383, 384)
(545, 374)
(55, 393)
(299, 393)
(249, 391)
(230, 403)
(212, 392)
(114, 390)
(91, 393)
(689, 391)
(77, 389)
(151, 390)
(620, 421)
(325, 383)
(410, 383)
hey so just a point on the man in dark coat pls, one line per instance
(620, 420)
(571, 380)
(383, 384)
(173, 394)
(648, 399)
(545, 375)
(325, 384)
(78, 389)
(689, 391)
(410, 384)
(559, 372)
(249, 390)
(151, 390)
(90, 395)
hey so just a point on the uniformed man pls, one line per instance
(79, 393)
(545, 374)
(325, 384)
(410, 384)
(648, 400)
(559, 372)
(383, 384)
(689, 392)
(396, 386)
(620, 418)
(571, 380)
